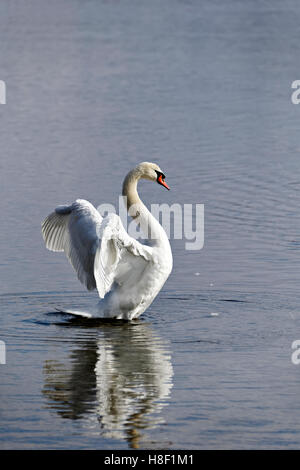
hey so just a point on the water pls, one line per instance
(203, 89)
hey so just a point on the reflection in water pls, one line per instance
(124, 376)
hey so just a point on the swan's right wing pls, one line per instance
(119, 258)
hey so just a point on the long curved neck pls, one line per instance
(150, 227)
(129, 192)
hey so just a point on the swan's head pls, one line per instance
(152, 172)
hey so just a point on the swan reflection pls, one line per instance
(121, 376)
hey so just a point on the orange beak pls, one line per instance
(162, 182)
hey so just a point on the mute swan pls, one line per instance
(127, 274)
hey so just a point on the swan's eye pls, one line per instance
(161, 179)
(159, 173)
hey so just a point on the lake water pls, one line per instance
(203, 89)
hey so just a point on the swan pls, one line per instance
(127, 274)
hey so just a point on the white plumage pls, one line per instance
(127, 274)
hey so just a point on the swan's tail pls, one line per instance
(78, 313)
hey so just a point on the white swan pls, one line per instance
(127, 274)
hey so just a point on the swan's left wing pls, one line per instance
(119, 258)
(74, 229)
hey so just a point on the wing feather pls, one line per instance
(100, 250)
(73, 229)
(118, 255)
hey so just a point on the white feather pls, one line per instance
(126, 273)
(100, 250)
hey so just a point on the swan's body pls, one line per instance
(127, 274)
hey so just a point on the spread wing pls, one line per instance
(120, 258)
(100, 250)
